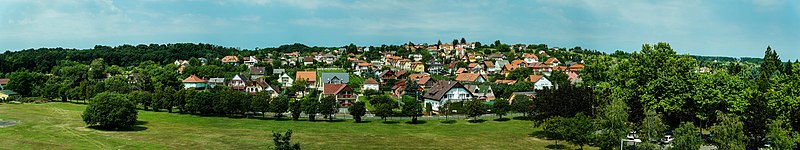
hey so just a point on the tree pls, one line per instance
(25, 82)
(279, 105)
(283, 142)
(475, 108)
(522, 104)
(554, 128)
(612, 122)
(357, 110)
(203, 102)
(728, 132)
(310, 107)
(97, 69)
(565, 101)
(779, 134)
(384, 106)
(580, 130)
(687, 137)
(328, 106)
(296, 109)
(501, 107)
(141, 97)
(261, 103)
(412, 108)
(444, 109)
(652, 126)
(110, 111)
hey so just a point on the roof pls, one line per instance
(8, 92)
(333, 88)
(440, 89)
(468, 77)
(472, 65)
(257, 71)
(259, 82)
(529, 55)
(227, 59)
(417, 76)
(4, 81)
(506, 81)
(535, 78)
(423, 80)
(576, 66)
(308, 59)
(216, 80)
(278, 71)
(326, 77)
(551, 60)
(370, 81)
(309, 76)
(517, 62)
(488, 64)
(193, 79)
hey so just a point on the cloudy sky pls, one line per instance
(714, 27)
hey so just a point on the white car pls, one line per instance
(667, 139)
(631, 135)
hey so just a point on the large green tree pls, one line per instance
(613, 124)
(652, 126)
(110, 111)
(279, 105)
(328, 106)
(357, 110)
(728, 132)
(412, 108)
(475, 108)
(687, 137)
(501, 107)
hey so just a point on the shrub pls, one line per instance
(33, 100)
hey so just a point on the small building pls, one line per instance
(238, 82)
(278, 72)
(250, 61)
(213, 82)
(195, 82)
(309, 76)
(257, 72)
(335, 78)
(285, 80)
(259, 85)
(340, 91)
(6, 95)
(371, 84)
(540, 82)
(446, 91)
(308, 60)
(233, 60)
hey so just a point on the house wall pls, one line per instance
(454, 95)
(371, 86)
(193, 85)
(542, 83)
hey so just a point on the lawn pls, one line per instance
(59, 126)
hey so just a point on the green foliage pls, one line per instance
(24, 83)
(283, 142)
(261, 102)
(141, 97)
(687, 137)
(412, 108)
(310, 107)
(384, 106)
(110, 111)
(279, 105)
(501, 107)
(522, 104)
(577, 130)
(328, 106)
(117, 84)
(652, 126)
(357, 110)
(612, 122)
(728, 132)
(779, 134)
(203, 102)
(296, 109)
(565, 101)
(475, 108)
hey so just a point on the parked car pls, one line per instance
(631, 135)
(667, 139)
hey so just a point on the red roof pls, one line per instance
(333, 88)
(534, 78)
(193, 79)
(370, 81)
(468, 77)
(309, 76)
(227, 59)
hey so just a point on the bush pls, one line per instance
(33, 100)
(110, 111)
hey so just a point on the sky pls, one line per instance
(711, 27)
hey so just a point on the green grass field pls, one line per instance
(59, 126)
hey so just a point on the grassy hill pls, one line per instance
(59, 125)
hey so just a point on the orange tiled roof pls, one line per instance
(309, 76)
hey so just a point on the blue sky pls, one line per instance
(714, 27)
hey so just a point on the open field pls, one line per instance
(59, 126)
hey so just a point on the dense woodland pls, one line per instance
(743, 102)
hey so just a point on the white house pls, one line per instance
(540, 82)
(285, 80)
(371, 84)
(446, 91)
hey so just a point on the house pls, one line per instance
(203, 61)
(423, 80)
(260, 85)
(552, 62)
(392, 74)
(278, 72)
(334, 78)
(285, 80)
(328, 58)
(434, 67)
(309, 76)
(445, 91)
(371, 84)
(519, 63)
(489, 67)
(3, 82)
(233, 60)
(482, 92)
(250, 61)
(530, 58)
(340, 91)
(8, 95)
(181, 62)
(238, 82)
(471, 77)
(256, 72)
(195, 82)
(308, 60)
(213, 82)
(499, 64)
(399, 88)
(540, 82)
(573, 77)
(417, 66)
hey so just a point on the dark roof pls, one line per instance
(308, 59)
(440, 89)
(257, 71)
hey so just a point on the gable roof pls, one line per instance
(257, 70)
(529, 55)
(333, 88)
(4, 81)
(370, 81)
(8, 92)
(308, 59)
(228, 59)
(468, 77)
(551, 61)
(327, 76)
(535, 78)
(488, 64)
(423, 80)
(309, 76)
(193, 79)
(518, 62)
(440, 89)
